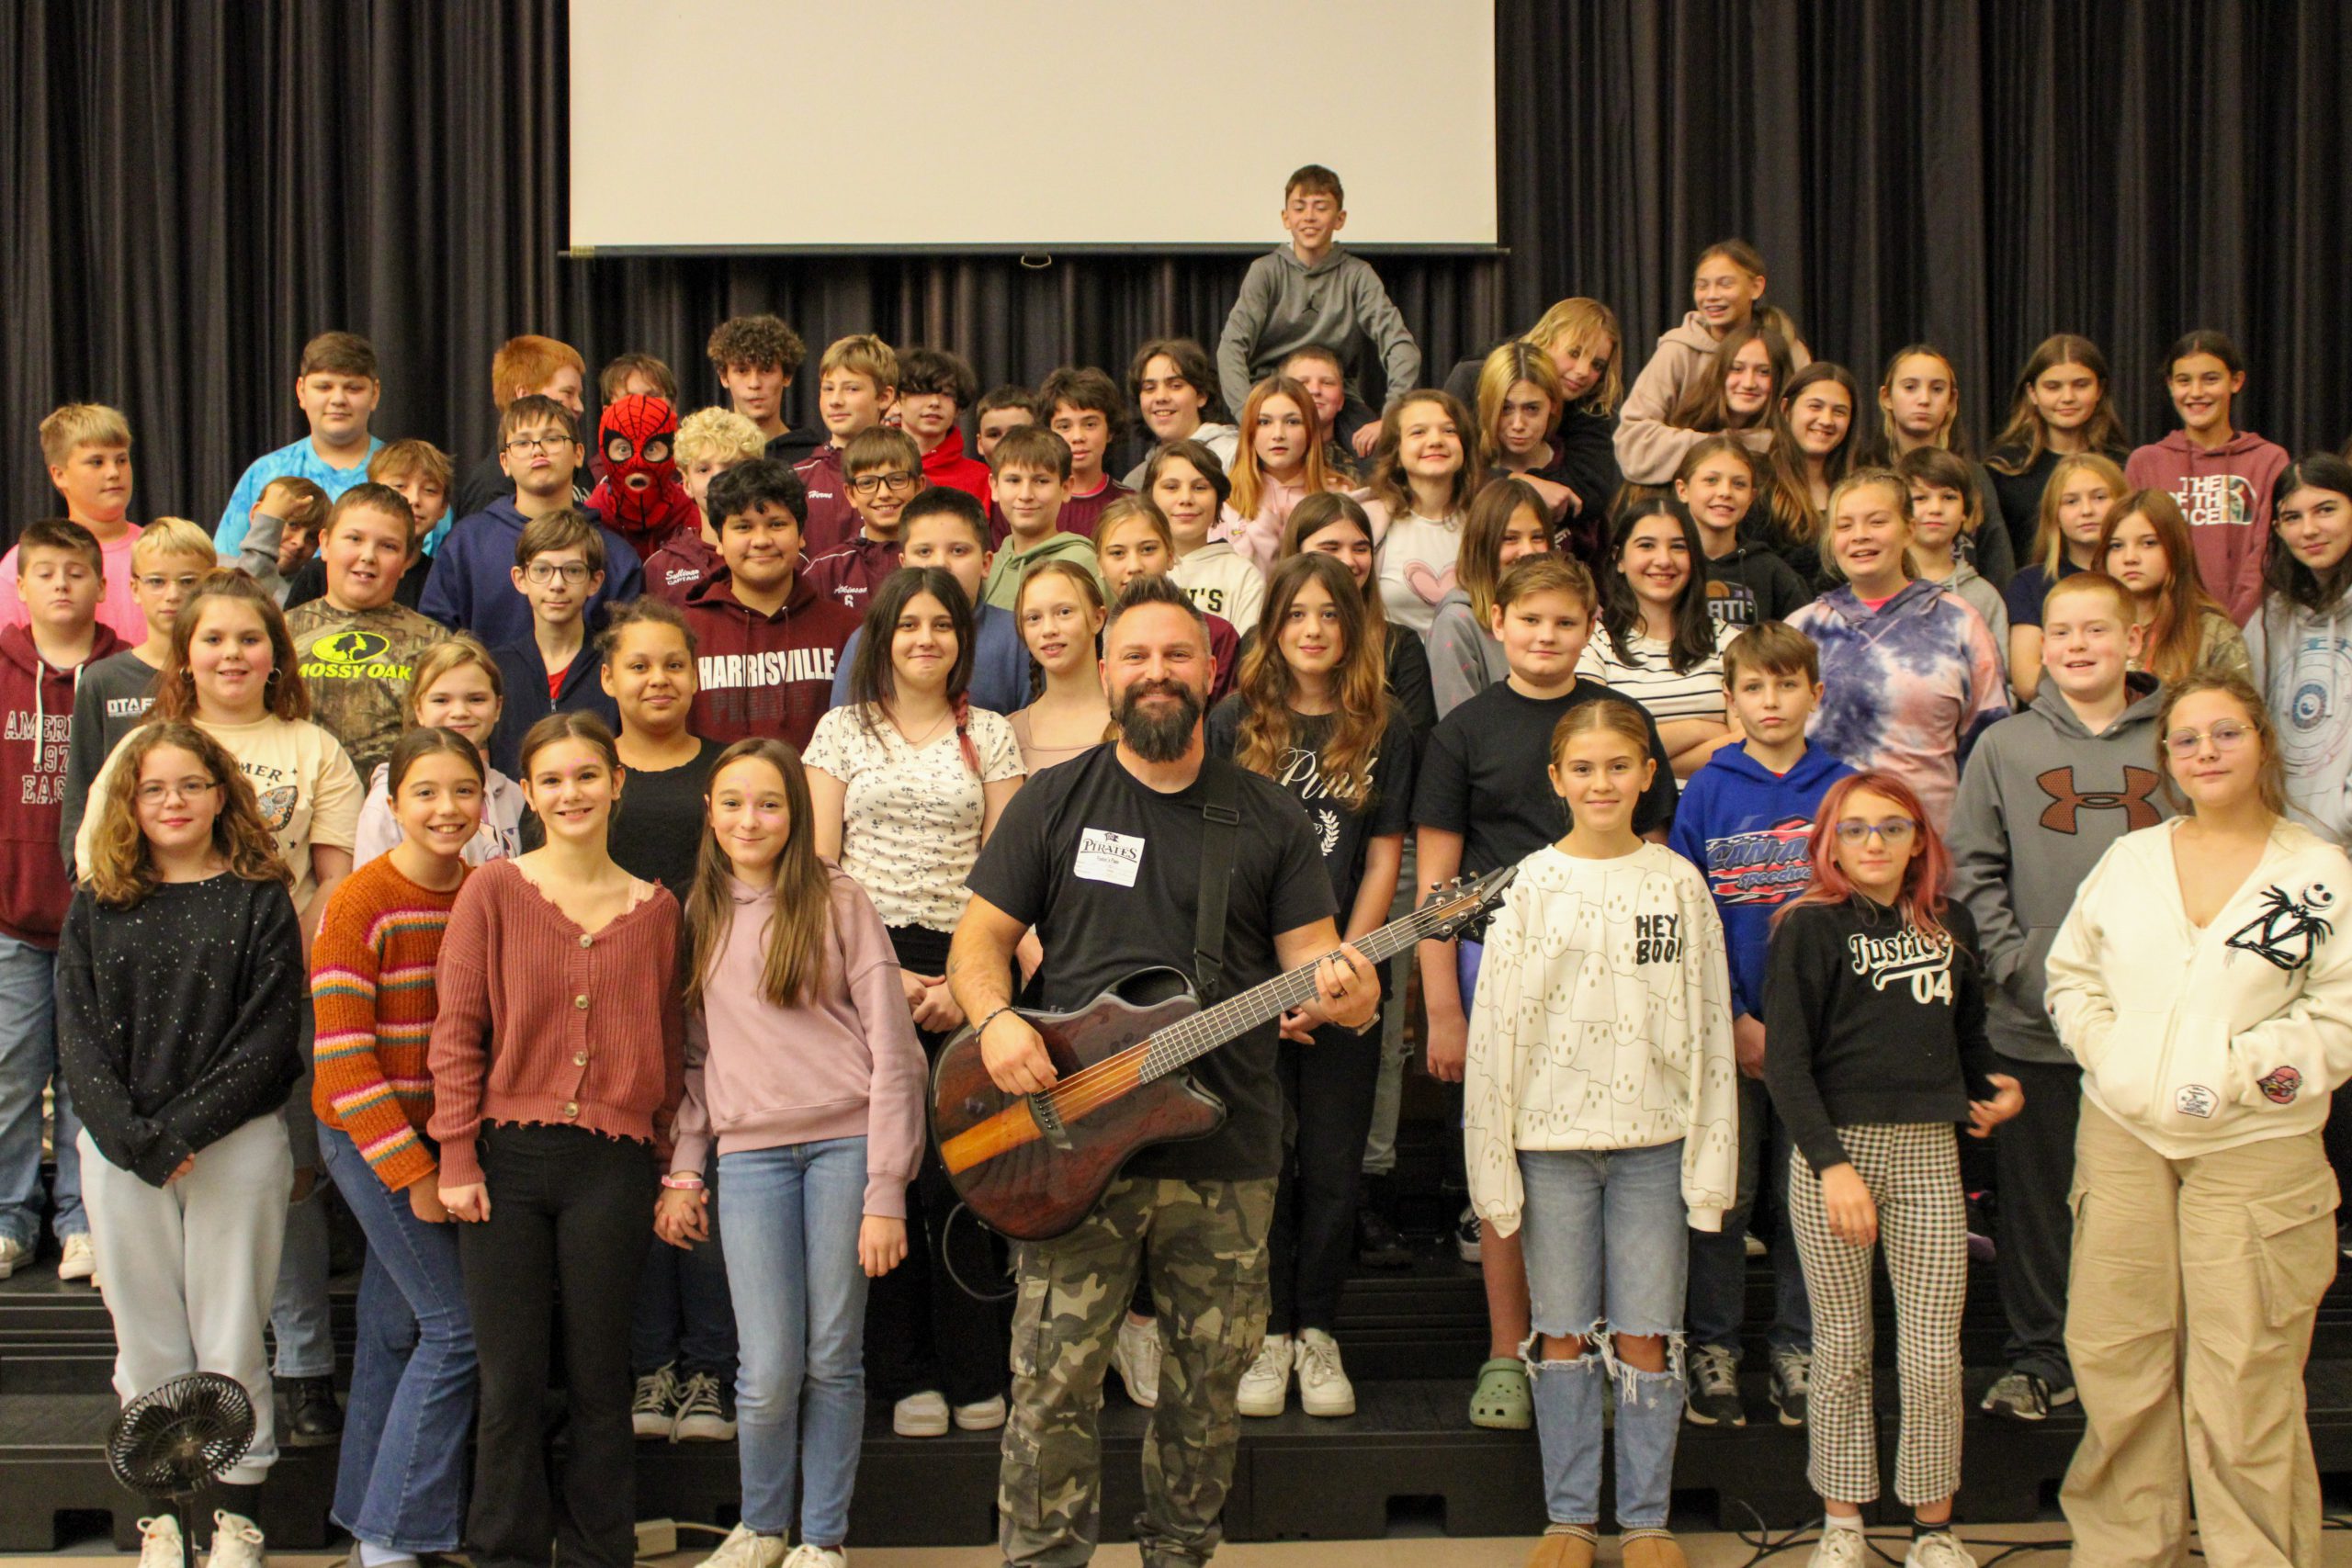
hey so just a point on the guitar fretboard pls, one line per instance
(1196, 1036)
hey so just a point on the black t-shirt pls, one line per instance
(1484, 774)
(1751, 586)
(1108, 869)
(1341, 833)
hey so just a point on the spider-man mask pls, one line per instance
(636, 434)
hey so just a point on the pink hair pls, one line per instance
(1927, 876)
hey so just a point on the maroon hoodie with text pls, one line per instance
(2225, 495)
(831, 520)
(680, 566)
(763, 675)
(850, 573)
(36, 722)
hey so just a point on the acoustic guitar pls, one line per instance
(1032, 1166)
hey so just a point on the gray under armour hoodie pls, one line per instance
(2040, 802)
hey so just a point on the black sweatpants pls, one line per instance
(1327, 1090)
(923, 1329)
(569, 1209)
(2034, 1153)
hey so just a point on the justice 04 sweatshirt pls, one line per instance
(1602, 1022)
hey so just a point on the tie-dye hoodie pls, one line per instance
(1907, 688)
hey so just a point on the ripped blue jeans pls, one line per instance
(1608, 1253)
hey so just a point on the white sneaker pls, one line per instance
(1323, 1385)
(1839, 1548)
(81, 1260)
(159, 1542)
(922, 1415)
(1136, 1355)
(236, 1542)
(1266, 1385)
(746, 1548)
(12, 1252)
(1938, 1549)
(985, 1416)
(807, 1556)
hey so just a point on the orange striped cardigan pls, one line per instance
(372, 992)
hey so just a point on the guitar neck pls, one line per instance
(1196, 1036)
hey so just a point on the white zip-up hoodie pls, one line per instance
(2199, 1041)
(1602, 1022)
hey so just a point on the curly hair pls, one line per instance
(122, 869)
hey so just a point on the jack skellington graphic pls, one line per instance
(2289, 931)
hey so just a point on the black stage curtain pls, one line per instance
(190, 189)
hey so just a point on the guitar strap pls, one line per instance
(1220, 836)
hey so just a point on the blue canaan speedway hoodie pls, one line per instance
(1747, 828)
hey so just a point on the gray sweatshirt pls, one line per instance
(1338, 304)
(108, 702)
(1464, 658)
(2041, 800)
(2303, 667)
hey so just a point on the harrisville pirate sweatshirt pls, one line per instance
(1872, 1023)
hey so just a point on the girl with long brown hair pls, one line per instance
(1311, 714)
(802, 1067)
(179, 1001)
(2146, 545)
(2059, 408)
(1727, 288)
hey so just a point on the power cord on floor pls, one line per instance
(1764, 1544)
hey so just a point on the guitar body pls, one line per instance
(1032, 1182)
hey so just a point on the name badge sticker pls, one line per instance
(1106, 856)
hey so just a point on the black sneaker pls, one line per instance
(653, 1409)
(706, 1411)
(1379, 1244)
(308, 1416)
(1792, 1380)
(2025, 1397)
(1713, 1396)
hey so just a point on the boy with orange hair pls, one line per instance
(523, 367)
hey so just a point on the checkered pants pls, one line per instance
(1913, 1173)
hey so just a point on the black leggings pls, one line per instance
(1327, 1090)
(569, 1210)
(922, 1330)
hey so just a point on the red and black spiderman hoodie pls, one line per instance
(766, 675)
(36, 721)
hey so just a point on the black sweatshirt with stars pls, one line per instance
(179, 1019)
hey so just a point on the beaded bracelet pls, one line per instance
(683, 1184)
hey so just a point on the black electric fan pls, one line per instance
(173, 1440)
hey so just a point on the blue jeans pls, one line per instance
(1606, 1255)
(792, 1221)
(401, 1481)
(683, 1312)
(1719, 1260)
(28, 1064)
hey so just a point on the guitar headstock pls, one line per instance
(1465, 899)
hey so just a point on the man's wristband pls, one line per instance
(994, 1013)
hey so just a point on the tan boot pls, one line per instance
(1655, 1550)
(1562, 1552)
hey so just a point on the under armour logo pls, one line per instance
(2065, 800)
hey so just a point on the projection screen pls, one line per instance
(1026, 124)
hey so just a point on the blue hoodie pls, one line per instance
(470, 589)
(1746, 828)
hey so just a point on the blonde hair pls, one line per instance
(2257, 714)
(862, 354)
(401, 459)
(2049, 543)
(171, 536)
(1579, 319)
(81, 424)
(123, 871)
(1506, 368)
(461, 649)
(717, 433)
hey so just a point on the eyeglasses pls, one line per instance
(156, 581)
(2227, 736)
(548, 571)
(186, 789)
(1893, 831)
(899, 484)
(523, 446)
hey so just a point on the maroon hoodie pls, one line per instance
(36, 721)
(832, 522)
(2225, 495)
(680, 566)
(766, 675)
(850, 573)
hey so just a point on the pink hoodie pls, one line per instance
(843, 1063)
(2225, 495)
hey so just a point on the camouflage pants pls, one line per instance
(1203, 1245)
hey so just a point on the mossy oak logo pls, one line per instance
(351, 647)
(351, 655)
